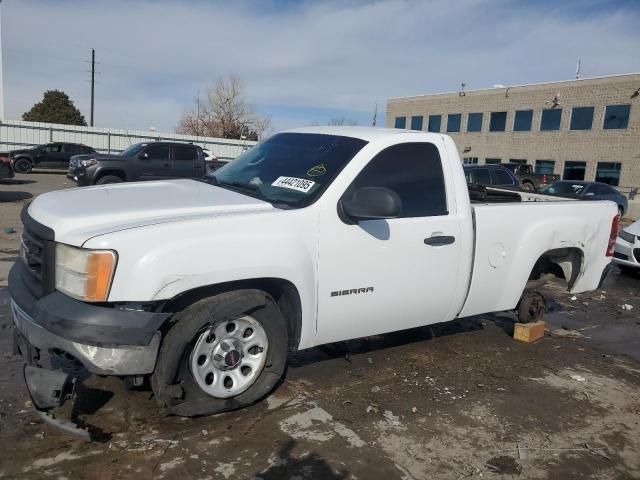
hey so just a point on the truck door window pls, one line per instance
(480, 176)
(414, 172)
(158, 152)
(181, 153)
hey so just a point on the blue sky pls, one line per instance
(302, 62)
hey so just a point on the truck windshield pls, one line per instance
(291, 169)
(133, 150)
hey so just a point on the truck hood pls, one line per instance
(78, 214)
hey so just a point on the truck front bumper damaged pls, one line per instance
(49, 389)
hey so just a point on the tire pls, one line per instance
(528, 186)
(108, 179)
(531, 307)
(22, 165)
(192, 373)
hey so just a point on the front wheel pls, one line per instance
(108, 179)
(210, 362)
(22, 165)
(528, 186)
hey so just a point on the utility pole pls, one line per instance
(93, 78)
(198, 114)
(1, 79)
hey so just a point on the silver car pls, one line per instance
(590, 190)
(627, 251)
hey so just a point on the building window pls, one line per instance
(474, 122)
(522, 120)
(616, 116)
(497, 121)
(574, 170)
(550, 120)
(453, 122)
(518, 161)
(493, 161)
(609, 173)
(581, 118)
(434, 123)
(470, 160)
(416, 123)
(401, 122)
(545, 167)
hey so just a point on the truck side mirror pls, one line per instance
(370, 203)
(144, 156)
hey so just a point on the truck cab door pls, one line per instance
(185, 161)
(49, 156)
(154, 162)
(379, 276)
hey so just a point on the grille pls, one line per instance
(621, 256)
(38, 256)
(636, 254)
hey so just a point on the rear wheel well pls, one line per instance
(563, 263)
(116, 173)
(283, 292)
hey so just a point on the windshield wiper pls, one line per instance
(243, 187)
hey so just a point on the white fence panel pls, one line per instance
(15, 134)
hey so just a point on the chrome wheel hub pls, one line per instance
(228, 358)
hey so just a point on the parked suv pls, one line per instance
(490, 175)
(51, 155)
(528, 178)
(142, 161)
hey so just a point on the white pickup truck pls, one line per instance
(315, 235)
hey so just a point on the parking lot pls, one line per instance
(455, 400)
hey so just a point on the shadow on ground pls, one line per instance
(14, 196)
(311, 465)
(15, 181)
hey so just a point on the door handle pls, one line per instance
(439, 240)
(166, 165)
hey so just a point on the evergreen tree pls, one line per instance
(55, 107)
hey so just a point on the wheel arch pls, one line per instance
(111, 171)
(283, 292)
(566, 263)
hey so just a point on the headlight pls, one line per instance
(84, 274)
(88, 163)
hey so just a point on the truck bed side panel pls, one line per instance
(510, 238)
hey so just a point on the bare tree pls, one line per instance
(225, 113)
(342, 120)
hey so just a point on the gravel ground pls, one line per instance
(456, 400)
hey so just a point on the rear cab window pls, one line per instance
(185, 153)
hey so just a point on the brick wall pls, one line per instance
(591, 146)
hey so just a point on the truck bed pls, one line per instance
(511, 234)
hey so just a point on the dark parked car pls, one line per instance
(588, 190)
(142, 161)
(6, 171)
(490, 175)
(51, 155)
(528, 178)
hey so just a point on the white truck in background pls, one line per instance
(315, 235)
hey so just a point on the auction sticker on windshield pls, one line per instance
(293, 183)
